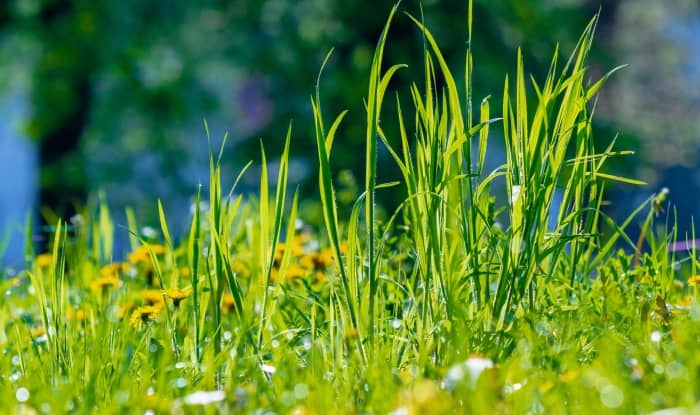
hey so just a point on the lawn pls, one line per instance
(452, 303)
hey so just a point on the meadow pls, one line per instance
(452, 303)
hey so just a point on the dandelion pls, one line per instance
(228, 304)
(142, 254)
(38, 332)
(240, 268)
(302, 238)
(101, 284)
(297, 251)
(77, 315)
(317, 260)
(144, 315)
(124, 310)
(152, 297)
(694, 280)
(295, 271)
(185, 272)
(44, 260)
(177, 295)
(113, 270)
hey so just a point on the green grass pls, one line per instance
(453, 304)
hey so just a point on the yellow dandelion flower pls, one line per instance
(185, 272)
(77, 315)
(320, 277)
(240, 268)
(694, 280)
(302, 238)
(297, 251)
(295, 271)
(44, 260)
(38, 332)
(142, 254)
(124, 310)
(80, 315)
(101, 284)
(112, 270)
(144, 315)
(177, 295)
(228, 305)
(317, 260)
(152, 297)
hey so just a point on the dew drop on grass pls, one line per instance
(227, 335)
(153, 348)
(656, 336)
(180, 382)
(611, 396)
(306, 344)
(22, 394)
(16, 360)
(275, 344)
(396, 323)
(14, 377)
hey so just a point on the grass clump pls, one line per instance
(452, 305)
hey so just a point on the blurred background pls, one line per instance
(111, 95)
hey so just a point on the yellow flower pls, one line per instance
(100, 284)
(152, 297)
(240, 268)
(317, 260)
(38, 332)
(44, 260)
(185, 272)
(297, 251)
(143, 315)
(114, 269)
(694, 280)
(293, 272)
(228, 304)
(73, 314)
(122, 311)
(142, 253)
(302, 238)
(177, 295)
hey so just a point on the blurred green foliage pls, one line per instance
(130, 81)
